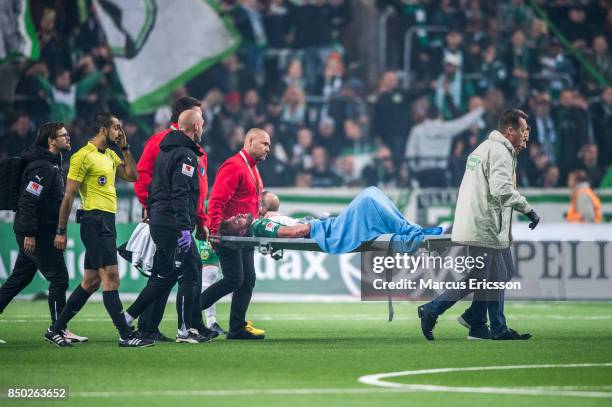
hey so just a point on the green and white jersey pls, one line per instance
(207, 254)
(265, 228)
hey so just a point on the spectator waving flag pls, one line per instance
(17, 33)
(161, 44)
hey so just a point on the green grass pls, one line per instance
(314, 346)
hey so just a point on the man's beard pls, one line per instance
(110, 142)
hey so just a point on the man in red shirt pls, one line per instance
(237, 190)
(148, 323)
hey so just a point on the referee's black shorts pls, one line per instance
(99, 237)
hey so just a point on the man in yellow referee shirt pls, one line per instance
(92, 173)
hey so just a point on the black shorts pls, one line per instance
(99, 237)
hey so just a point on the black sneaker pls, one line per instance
(134, 341)
(57, 339)
(192, 336)
(204, 331)
(153, 336)
(511, 335)
(480, 332)
(246, 333)
(217, 328)
(428, 322)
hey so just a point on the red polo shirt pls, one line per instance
(235, 190)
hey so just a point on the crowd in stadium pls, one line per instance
(292, 77)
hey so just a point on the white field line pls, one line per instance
(383, 386)
(379, 380)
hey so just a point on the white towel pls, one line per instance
(143, 247)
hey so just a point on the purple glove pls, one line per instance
(184, 242)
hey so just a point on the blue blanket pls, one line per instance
(368, 216)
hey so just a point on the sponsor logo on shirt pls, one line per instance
(472, 162)
(34, 188)
(102, 180)
(188, 170)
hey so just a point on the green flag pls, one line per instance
(161, 44)
(17, 33)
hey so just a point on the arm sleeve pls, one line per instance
(412, 149)
(79, 166)
(88, 83)
(453, 127)
(37, 182)
(44, 84)
(501, 183)
(584, 206)
(180, 192)
(145, 173)
(223, 190)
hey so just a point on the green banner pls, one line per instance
(131, 279)
(295, 273)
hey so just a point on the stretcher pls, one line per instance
(275, 246)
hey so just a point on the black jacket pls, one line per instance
(42, 191)
(174, 189)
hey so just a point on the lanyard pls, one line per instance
(252, 175)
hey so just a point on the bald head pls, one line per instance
(257, 144)
(269, 203)
(192, 124)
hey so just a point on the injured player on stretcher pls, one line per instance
(369, 215)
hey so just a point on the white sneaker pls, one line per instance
(74, 338)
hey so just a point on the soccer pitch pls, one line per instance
(316, 354)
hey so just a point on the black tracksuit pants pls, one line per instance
(51, 264)
(165, 274)
(238, 267)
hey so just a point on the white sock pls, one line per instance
(210, 320)
(209, 276)
(129, 319)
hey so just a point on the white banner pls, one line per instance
(17, 33)
(161, 44)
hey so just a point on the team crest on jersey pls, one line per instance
(188, 170)
(102, 180)
(34, 188)
(270, 227)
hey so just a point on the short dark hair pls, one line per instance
(14, 116)
(101, 120)
(580, 175)
(47, 131)
(182, 104)
(511, 118)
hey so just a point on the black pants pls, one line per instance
(51, 264)
(238, 268)
(498, 266)
(165, 274)
(150, 319)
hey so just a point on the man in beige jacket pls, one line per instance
(483, 217)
